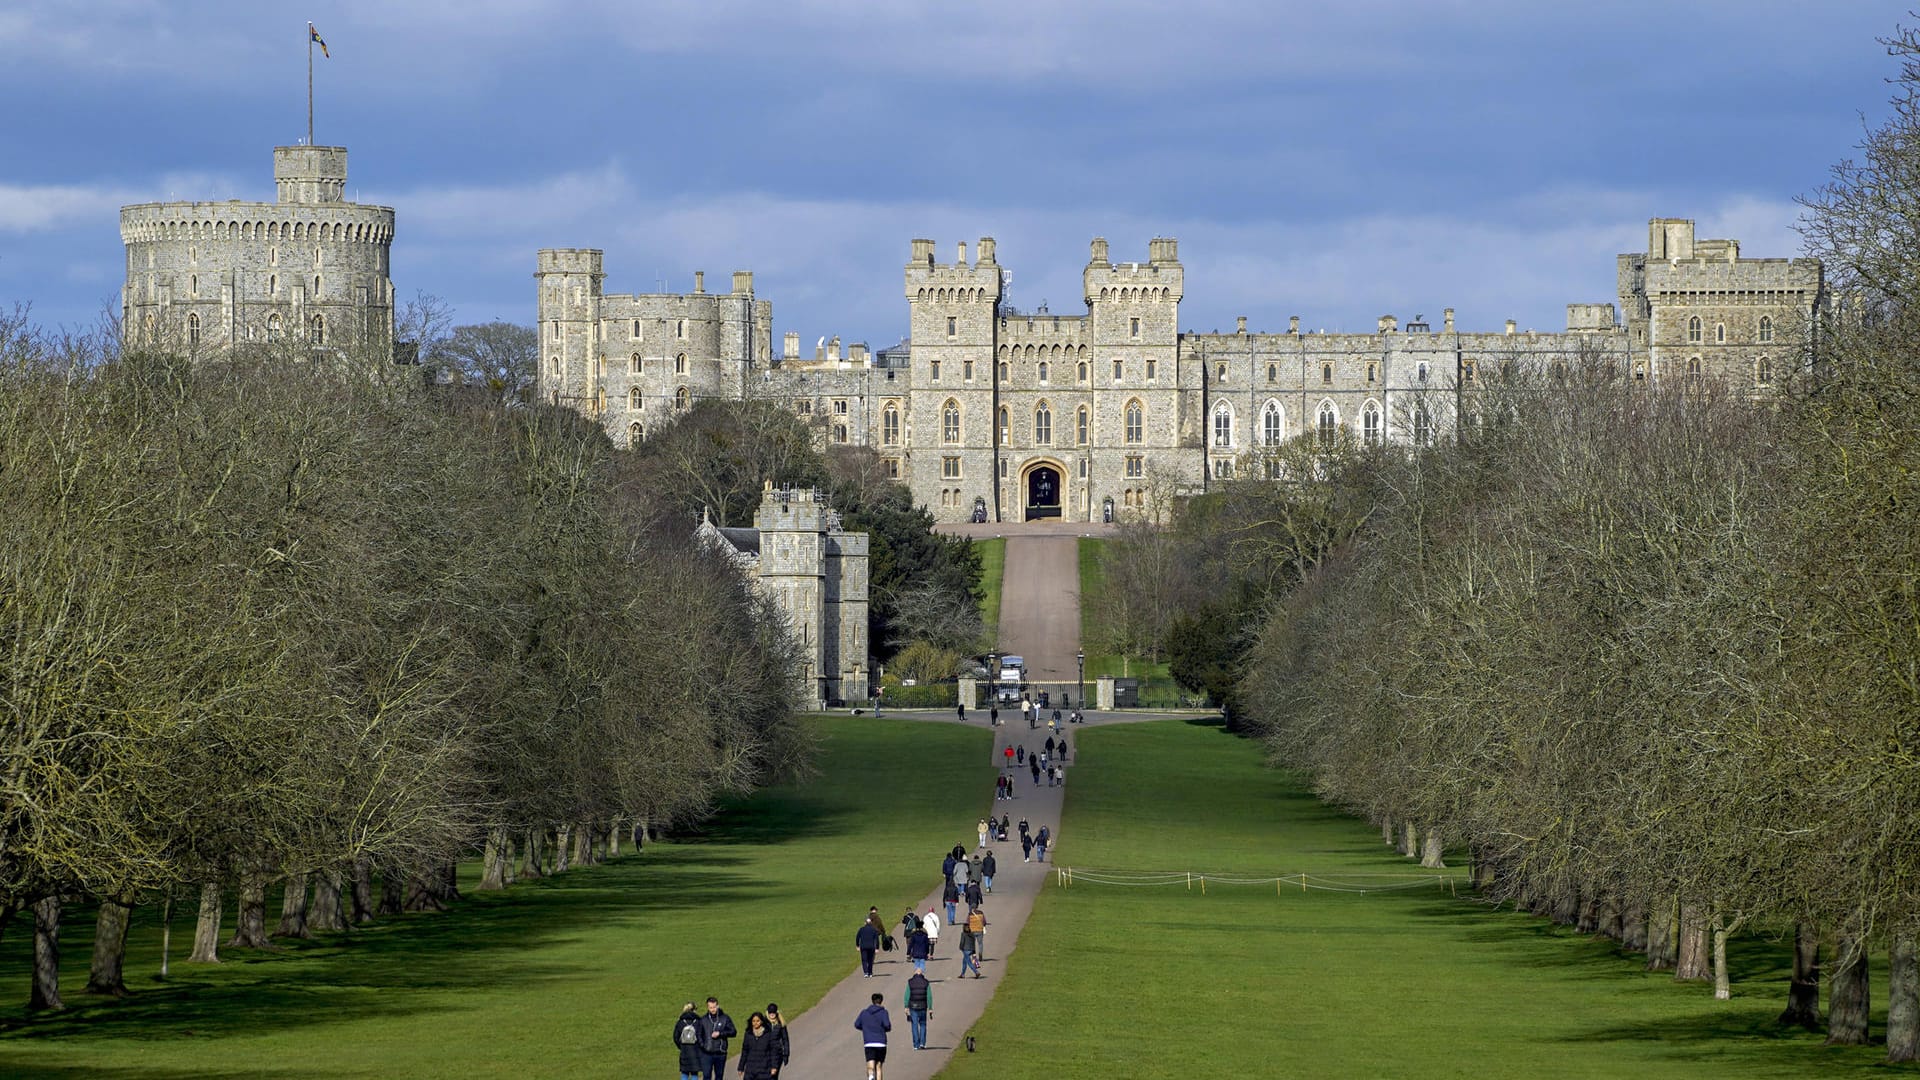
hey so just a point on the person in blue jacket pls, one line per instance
(873, 1025)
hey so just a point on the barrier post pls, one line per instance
(1203, 884)
(1189, 881)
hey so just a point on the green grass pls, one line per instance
(1253, 981)
(579, 976)
(1157, 688)
(993, 568)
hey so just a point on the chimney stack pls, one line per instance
(699, 281)
(1448, 316)
(743, 283)
(1240, 325)
(1293, 324)
(1510, 326)
(791, 350)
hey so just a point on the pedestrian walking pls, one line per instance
(686, 1036)
(1040, 845)
(987, 868)
(975, 895)
(867, 940)
(1003, 826)
(1033, 764)
(980, 830)
(919, 948)
(946, 865)
(759, 1050)
(993, 714)
(1060, 776)
(1049, 744)
(715, 1029)
(962, 709)
(1056, 718)
(919, 1003)
(1023, 834)
(967, 945)
(1020, 756)
(960, 872)
(931, 924)
(950, 895)
(781, 1035)
(873, 1025)
(1063, 751)
(977, 924)
(909, 922)
(1008, 755)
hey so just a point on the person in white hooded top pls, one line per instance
(931, 924)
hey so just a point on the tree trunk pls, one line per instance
(613, 839)
(1612, 921)
(1485, 873)
(250, 928)
(450, 881)
(499, 853)
(583, 845)
(1849, 1000)
(362, 892)
(110, 949)
(46, 954)
(424, 888)
(326, 903)
(561, 848)
(1722, 982)
(1803, 992)
(166, 932)
(1387, 834)
(1633, 926)
(1433, 854)
(1409, 844)
(206, 931)
(293, 908)
(1588, 921)
(1903, 998)
(1566, 905)
(536, 844)
(1661, 953)
(392, 890)
(1693, 963)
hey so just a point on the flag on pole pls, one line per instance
(318, 40)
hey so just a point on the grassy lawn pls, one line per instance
(1157, 688)
(993, 568)
(1252, 980)
(580, 976)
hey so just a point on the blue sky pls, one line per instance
(1335, 161)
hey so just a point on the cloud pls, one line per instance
(56, 206)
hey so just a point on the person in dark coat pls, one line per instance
(1026, 846)
(974, 898)
(950, 896)
(781, 1035)
(946, 865)
(759, 1050)
(873, 1025)
(692, 1058)
(919, 948)
(988, 867)
(867, 940)
(715, 1029)
(1033, 765)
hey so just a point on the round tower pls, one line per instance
(310, 267)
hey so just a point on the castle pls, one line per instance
(992, 414)
(799, 557)
(309, 268)
(984, 412)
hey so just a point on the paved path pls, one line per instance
(1039, 619)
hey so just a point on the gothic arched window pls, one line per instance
(1328, 423)
(890, 425)
(1043, 425)
(950, 423)
(1133, 422)
(1273, 424)
(1223, 425)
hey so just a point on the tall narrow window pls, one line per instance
(680, 329)
(1420, 372)
(635, 434)
(1117, 370)
(933, 370)
(1153, 369)
(1326, 374)
(1043, 425)
(1766, 328)
(966, 370)
(890, 425)
(1273, 373)
(680, 364)
(1043, 372)
(636, 330)
(1763, 371)
(1693, 369)
(1373, 373)
(1083, 371)
(681, 398)
(1223, 425)
(953, 327)
(950, 423)
(1693, 328)
(193, 328)
(273, 327)
(1006, 425)
(1422, 426)
(1328, 423)
(1080, 425)
(635, 365)
(1133, 327)
(1219, 372)
(1006, 372)
(1370, 424)
(1133, 423)
(1720, 333)
(633, 398)
(1272, 425)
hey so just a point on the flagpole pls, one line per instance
(309, 84)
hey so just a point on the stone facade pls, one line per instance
(799, 557)
(310, 266)
(1011, 415)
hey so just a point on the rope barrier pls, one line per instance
(1358, 882)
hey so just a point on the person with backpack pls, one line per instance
(1040, 844)
(686, 1036)
(950, 896)
(967, 944)
(977, 922)
(919, 1003)
(909, 922)
(873, 1025)
(715, 1029)
(987, 868)
(759, 1050)
(868, 940)
(974, 894)
(781, 1035)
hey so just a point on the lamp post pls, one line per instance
(1080, 659)
(993, 682)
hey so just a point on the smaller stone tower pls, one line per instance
(569, 308)
(953, 323)
(817, 574)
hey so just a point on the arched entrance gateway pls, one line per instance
(1044, 488)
